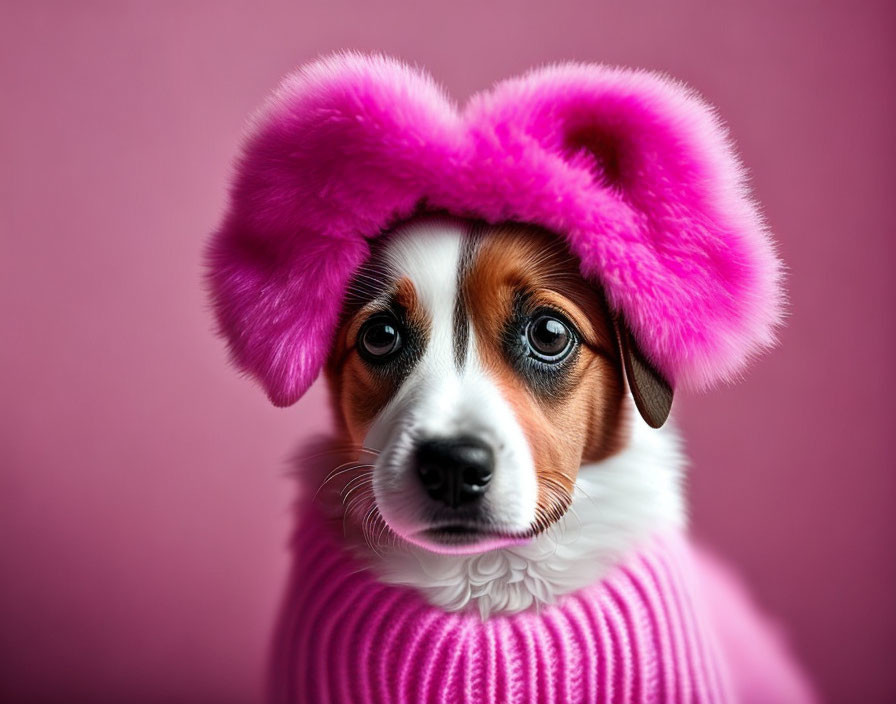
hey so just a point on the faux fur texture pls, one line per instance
(633, 169)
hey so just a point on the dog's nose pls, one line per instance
(455, 471)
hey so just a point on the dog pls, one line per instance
(486, 376)
(503, 302)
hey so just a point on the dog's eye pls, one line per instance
(379, 338)
(549, 338)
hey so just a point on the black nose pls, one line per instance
(455, 471)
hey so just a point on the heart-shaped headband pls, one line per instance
(633, 170)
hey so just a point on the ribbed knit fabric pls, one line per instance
(639, 635)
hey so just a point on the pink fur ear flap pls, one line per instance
(643, 182)
(330, 161)
(630, 168)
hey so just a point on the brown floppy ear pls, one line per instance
(652, 393)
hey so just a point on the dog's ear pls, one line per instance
(650, 389)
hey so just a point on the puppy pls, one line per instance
(502, 297)
(483, 378)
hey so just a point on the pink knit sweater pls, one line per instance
(640, 635)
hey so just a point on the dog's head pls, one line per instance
(482, 370)
(477, 362)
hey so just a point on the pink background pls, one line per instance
(144, 506)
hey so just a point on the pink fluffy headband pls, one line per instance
(632, 169)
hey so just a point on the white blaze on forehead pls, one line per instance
(427, 253)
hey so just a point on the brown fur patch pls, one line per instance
(583, 423)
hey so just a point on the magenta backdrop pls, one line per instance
(144, 506)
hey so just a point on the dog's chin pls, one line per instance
(463, 540)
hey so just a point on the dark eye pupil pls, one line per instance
(380, 339)
(548, 336)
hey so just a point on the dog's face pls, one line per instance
(482, 370)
